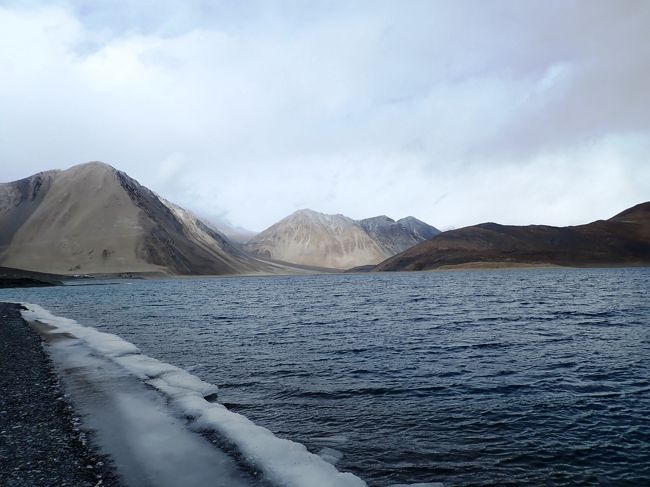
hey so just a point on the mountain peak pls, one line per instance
(312, 216)
(379, 219)
(409, 218)
(306, 211)
(422, 230)
(93, 165)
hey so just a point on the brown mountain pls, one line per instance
(310, 238)
(94, 219)
(622, 240)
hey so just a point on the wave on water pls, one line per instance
(281, 462)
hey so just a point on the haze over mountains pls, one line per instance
(337, 241)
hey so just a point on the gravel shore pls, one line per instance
(40, 440)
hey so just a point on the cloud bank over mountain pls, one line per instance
(459, 112)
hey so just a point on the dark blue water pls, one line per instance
(522, 377)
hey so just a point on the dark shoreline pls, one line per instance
(40, 439)
(10, 277)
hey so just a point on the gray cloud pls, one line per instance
(517, 112)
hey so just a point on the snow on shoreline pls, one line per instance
(283, 462)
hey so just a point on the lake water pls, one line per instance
(514, 377)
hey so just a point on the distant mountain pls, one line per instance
(92, 219)
(397, 236)
(622, 240)
(421, 230)
(335, 241)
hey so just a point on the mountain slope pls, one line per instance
(92, 218)
(310, 238)
(422, 230)
(622, 240)
(397, 236)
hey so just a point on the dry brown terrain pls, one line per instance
(311, 238)
(315, 239)
(93, 219)
(622, 240)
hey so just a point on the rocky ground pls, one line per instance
(40, 441)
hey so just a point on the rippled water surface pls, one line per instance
(536, 377)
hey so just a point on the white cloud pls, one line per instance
(451, 111)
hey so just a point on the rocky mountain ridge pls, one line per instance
(311, 238)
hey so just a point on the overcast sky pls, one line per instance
(455, 112)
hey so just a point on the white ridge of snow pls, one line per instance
(283, 462)
(123, 353)
(149, 444)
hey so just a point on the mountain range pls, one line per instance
(337, 241)
(94, 219)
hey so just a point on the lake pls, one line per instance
(509, 377)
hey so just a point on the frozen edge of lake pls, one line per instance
(110, 376)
